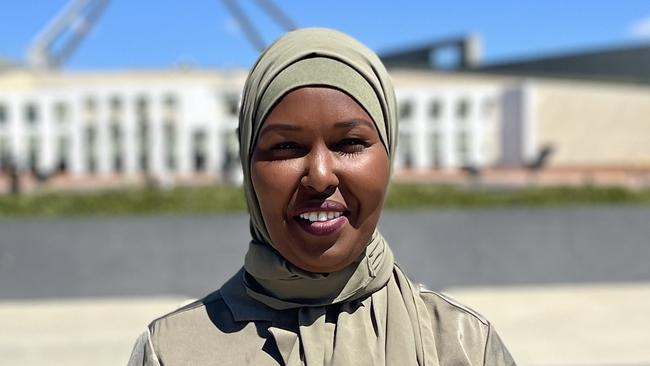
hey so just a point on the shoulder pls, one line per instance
(200, 332)
(188, 314)
(461, 334)
(445, 305)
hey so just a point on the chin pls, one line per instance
(334, 258)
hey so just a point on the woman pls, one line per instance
(319, 286)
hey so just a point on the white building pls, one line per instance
(176, 124)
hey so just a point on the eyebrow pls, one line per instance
(353, 123)
(290, 127)
(279, 127)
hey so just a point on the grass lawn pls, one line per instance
(216, 199)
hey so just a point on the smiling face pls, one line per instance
(320, 173)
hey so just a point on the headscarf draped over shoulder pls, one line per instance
(380, 317)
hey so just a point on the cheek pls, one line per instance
(367, 179)
(274, 183)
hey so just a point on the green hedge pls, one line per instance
(216, 199)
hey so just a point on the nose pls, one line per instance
(320, 172)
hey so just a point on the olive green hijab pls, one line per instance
(368, 313)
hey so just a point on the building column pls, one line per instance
(183, 146)
(77, 143)
(129, 129)
(448, 136)
(103, 148)
(16, 130)
(216, 146)
(156, 147)
(474, 128)
(420, 128)
(46, 137)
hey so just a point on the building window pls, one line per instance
(405, 109)
(170, 145)
(143, 136)
(142, 117)
(435, 149)
(142, 108)
(91, 155)
(4, 154)
(199, 145)
(404, 150)
(62, 154)
(232, 104)
(115, 104)
(32, 153)
(169, 101)
(31, 114)
(435, 110)
(3, 114)
(464, 148)
(462, 109)
(116, 147)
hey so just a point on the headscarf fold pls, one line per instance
(368, 313)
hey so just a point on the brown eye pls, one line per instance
(352, 146)
(285, 146)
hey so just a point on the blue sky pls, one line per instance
(164, 33)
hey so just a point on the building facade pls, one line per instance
(176, 126)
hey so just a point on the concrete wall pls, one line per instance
(591, 124)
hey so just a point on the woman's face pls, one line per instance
(320, 172)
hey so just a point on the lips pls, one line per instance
(321, 217)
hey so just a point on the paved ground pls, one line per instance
(577, 325)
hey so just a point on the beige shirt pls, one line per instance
(229, 328)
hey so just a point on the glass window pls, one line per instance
(4, 153)
(116, 147)
(115, 103)
(63, 144)
(232, 104)
(435, 109)
(142, 108)
(435, 149)
(404, 150)
(143, 139)
(169, 101)
(3, 114)
(405, 109)
(31, 113)
(32, 153)
(462, 109)
(199, 140)
(91, 157)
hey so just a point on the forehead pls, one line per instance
(314, 104)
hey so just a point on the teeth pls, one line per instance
(320, 216)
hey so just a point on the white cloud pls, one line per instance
(640, 28)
